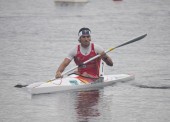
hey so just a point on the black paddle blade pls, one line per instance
(133, 40)
(20, 86)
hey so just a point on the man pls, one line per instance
(81, 53)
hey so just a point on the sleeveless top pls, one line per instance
(92, 67)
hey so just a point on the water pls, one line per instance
(36, 35)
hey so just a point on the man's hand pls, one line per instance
(103, 55)
(58, 75)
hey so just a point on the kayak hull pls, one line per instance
(73, 83)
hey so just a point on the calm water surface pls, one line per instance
(36, 35)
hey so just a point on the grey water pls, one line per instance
(36, 35)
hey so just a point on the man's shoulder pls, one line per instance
(97, 46)
(74, 47)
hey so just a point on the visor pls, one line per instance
(84, 32)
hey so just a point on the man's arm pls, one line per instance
(66, 62)
(104, 56)
(61, 68)
(106, 59)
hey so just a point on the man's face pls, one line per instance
(85, 40)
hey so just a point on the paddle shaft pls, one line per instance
(126, 43)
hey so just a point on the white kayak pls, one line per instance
(76, 83)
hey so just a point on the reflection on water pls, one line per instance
(87, 105)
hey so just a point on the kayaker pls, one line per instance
(82, 52)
